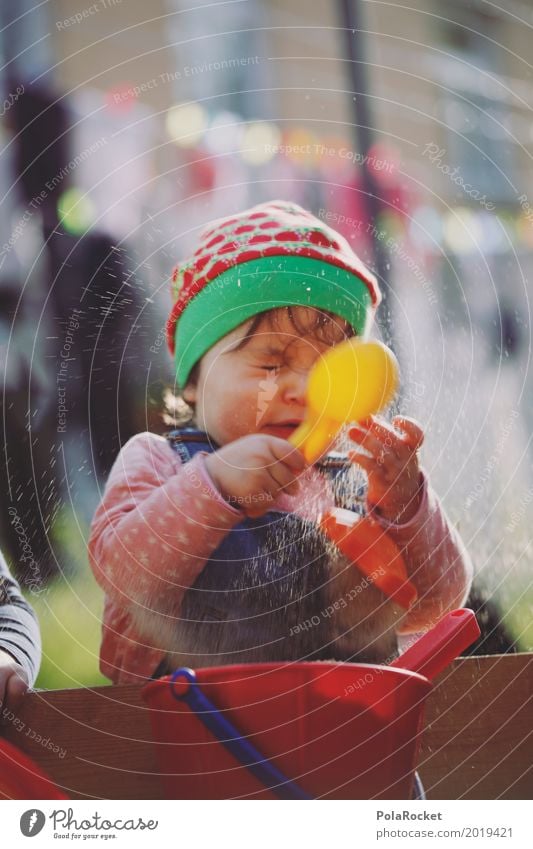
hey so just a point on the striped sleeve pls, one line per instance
(19, 630)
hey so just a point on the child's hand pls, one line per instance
(13, 684)
(252, 471)
(393, 472)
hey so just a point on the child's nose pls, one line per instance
(295, 386)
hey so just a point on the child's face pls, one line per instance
(257, 388)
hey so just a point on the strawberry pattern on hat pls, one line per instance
(276, 228)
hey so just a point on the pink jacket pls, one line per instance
(159, 522)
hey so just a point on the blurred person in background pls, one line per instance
(25, 374)
(85, 288)
(64, 317)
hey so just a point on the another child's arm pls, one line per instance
(20, 643)
(401, 499)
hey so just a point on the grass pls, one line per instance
(70, 615)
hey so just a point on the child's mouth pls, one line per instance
(282, 429)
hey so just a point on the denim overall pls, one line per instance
(260, 595)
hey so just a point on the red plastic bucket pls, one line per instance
(339, 731)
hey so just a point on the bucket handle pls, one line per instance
(185, 688)
(436, 649)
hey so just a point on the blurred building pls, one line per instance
(451, 120)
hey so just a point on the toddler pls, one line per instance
(206, 541)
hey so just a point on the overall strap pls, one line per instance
(187, 441)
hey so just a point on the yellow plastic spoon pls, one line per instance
(350, 382)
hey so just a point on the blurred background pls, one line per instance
(126, 127)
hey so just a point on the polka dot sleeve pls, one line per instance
(157, 525)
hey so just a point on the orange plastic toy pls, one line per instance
(367, 545)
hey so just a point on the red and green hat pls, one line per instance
(273, 255)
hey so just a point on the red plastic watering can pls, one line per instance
(300, 730)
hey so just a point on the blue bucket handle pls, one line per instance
(230, 737)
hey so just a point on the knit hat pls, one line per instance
(273, 255)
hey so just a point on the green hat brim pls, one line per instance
(263, 284)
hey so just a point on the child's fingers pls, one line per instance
(2, 699)
(379, 441)
(381, 430)
(17, 687)
(359, 427)
(292, 488)
(373, 466)
(411, 436)
(412, 430)
(281, 466)
(13, 688)
(282, 475)
(366, 463)
(285, 453)
(371, 442)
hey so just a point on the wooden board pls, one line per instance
(478, 741)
